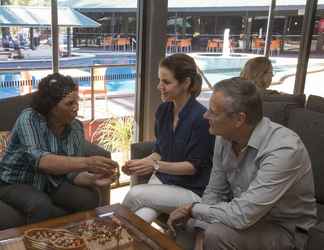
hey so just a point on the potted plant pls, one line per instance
(116, 134)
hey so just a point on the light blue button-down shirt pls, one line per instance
(271, 180)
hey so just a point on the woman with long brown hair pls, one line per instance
(182, 158)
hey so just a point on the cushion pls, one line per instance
(315, 103)
(278, 106)
(139, 151)
(270, 96)
(278, 111)
(91, 149)
(320, 212)
(309, 126)
(316, 237)
(4, 139)
(11, 108)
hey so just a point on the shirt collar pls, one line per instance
(185, 111)
(257, 136)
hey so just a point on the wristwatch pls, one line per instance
(191, 207)
(156, 165)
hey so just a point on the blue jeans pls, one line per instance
(31, 205)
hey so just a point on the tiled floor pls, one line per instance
(115, 106)
(122, 105)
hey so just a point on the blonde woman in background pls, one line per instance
(258, 69)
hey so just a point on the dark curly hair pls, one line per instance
(183, 66)
(51, 90)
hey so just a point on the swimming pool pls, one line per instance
(119, 79)
(122, 79)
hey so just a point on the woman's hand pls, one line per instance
(101, 165)
(138, 167)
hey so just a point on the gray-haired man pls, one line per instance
(261, 191)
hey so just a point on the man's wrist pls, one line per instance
(192, 206)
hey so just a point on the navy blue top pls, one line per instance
(190, 141)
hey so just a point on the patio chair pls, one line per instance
(212, 46)
(233, 45)
(108, 42)
(257, 45)
(275, 46)
(122, 43)
(184, 45)
(171, 45)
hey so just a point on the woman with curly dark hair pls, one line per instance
(44, 172)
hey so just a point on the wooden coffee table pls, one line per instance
(148, 237)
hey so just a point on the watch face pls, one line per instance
(156, 166)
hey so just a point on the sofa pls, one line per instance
(10, 108)
(307, 120)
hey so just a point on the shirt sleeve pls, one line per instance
(278, 171)
(78, 139)
(199, 150)
(80, 145)
(218, 188)
(28, 129)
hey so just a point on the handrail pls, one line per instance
(68, 67)
(18, 83)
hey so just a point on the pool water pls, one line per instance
(122, 79)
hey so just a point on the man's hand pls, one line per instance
(179, 216)
(199, 242)
(101, 165)
(138, 167)
(89, 180)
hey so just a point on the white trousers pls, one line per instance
(149, 200)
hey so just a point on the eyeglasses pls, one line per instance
(215, 116)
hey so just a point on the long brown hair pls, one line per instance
(183, 66)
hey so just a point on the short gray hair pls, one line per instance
(241, 96)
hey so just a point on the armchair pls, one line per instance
(139, 151)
